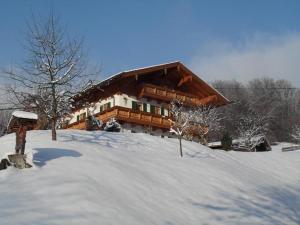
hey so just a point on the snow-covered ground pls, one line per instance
(120, 178)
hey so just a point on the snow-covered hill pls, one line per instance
(119, 178)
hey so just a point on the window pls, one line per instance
(77, 118)
(134, 105)
(137, 106)
(101, 108)
(106, 106)
(162, 111)
(82, 116)
(152, 109)
(157, 110)
(145, 107)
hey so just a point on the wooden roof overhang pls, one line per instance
(15, 123)
(184, 78)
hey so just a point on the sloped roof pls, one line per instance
(197, 81)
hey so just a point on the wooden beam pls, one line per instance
(209, 99)
(184, 79)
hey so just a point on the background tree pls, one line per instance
(296, 134)
(206, 119)
(53, 71)
(275, 100)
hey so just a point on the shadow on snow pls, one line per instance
(273, 205)
(43, 155)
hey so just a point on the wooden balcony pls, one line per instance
(128, 115)
(157, 92)
(79, 125)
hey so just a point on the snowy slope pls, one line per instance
(118, 178)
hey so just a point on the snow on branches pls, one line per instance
(252, 128)
(181, 118)
(193, 122)
(206, 119)
(52, 73)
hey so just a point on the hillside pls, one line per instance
(122, 178)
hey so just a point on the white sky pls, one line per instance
(256, 56)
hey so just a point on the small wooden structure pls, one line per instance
(22, 118)
(19, 123)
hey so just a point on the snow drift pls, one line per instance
(120, 178)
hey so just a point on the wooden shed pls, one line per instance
(19, 118)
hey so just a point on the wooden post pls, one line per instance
(21, 139)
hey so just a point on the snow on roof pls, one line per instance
(25, 115)
(126, 71)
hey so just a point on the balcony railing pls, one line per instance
(157, 92)
(128, 115)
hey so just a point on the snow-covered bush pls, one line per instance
(92, 123)
(112, 126)
(251, 130)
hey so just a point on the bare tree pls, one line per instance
(4, 119)
(181, 121)
(275, 100)
(52, 72)
(206, 119)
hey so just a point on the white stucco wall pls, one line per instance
(122, 100)
(95, 108)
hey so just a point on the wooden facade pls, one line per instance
(142, 96)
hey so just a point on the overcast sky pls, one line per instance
(232, 39)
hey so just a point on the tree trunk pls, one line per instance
(53, 128)
(180, 147)
(54, 111)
